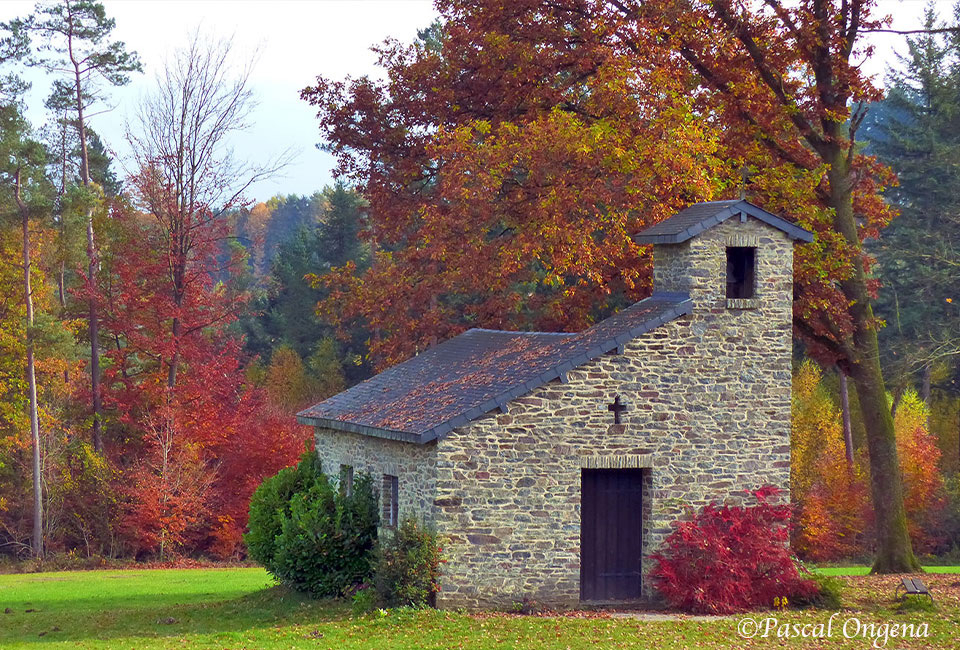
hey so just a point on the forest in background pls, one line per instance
(158, 336)
(210, 319)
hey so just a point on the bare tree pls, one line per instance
(188, 177)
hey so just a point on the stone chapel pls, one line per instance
(552, 464)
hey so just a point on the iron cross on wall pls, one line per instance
(617, 409)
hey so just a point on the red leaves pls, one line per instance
(191, 445)
(508, 158)
(507, 166)
(730, 558)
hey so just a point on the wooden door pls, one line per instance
(610, 534)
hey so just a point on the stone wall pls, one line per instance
(413, 465)
(709, 416)
(671, 270)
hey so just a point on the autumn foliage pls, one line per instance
(191, 453)
(510, 153)
(919, 463)
(833, 500)
(728, 559)
(508, 162)
(497, 170)
(834, 519)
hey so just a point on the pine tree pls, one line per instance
(74, 43)
(287, 314)
(914, 130)
(339, 233)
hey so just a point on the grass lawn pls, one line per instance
(865, 570)
(240, 608)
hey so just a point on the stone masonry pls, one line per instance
(414, 465)
(708, 398)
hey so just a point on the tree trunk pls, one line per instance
(94, 327)
(93, 324)
(61, 286)
(847, 428)
(62, 269)
(177, 331)
(897, 396)
(31, 379)
(925, 385)
(894, 551)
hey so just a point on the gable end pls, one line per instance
(699, 217)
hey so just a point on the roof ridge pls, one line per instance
(485, 329)
(453, 383)
(698, 217)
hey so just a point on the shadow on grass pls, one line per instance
(153, 617)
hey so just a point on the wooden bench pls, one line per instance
(912, 587)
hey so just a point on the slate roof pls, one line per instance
(698, 217)
(478, 371)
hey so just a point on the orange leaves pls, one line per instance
(785, 85)
(919, 465)
(516, 209)
(834, 509)
(514, 152)
(833, 501)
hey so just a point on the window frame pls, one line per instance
(390, 506)
(741, 260)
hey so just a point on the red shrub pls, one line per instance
(731, 558)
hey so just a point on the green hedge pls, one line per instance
(311, 535)
(407, 569)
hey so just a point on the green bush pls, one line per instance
(364, 600)
(408, 563)
(270, 503)
(310, 535)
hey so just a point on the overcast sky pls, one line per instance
(296, 41)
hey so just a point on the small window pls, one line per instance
(741, 272)
(391, 500)
(346, 479)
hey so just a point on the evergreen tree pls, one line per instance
(74, 43)
(100, 162)
(286, 314)
(914, 130)
(289, 216)
(340, 230)
(287, 310)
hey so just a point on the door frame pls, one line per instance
(631, 491)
